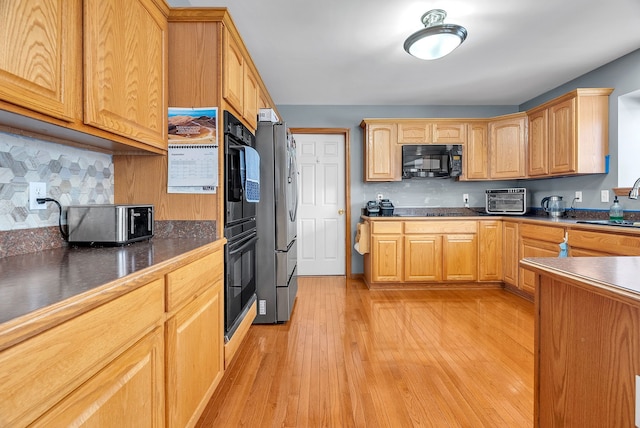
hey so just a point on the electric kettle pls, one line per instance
(554, 205)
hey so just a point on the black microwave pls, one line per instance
(431, 161)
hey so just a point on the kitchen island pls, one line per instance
(587, 353)
(111, 335)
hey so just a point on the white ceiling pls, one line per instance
(350, 52)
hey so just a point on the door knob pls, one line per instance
(340, 211)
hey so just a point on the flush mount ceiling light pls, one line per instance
(436, 39)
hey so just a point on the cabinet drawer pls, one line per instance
(617, 245)
(39, 372)
(440, 227)
(386, 227)
(188, 281)
(542, 233)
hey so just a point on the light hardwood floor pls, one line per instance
(351, 357)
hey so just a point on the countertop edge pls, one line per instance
(21, 328)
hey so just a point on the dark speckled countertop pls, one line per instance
(33, 281)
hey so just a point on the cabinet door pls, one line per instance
(490, 251)
(250, 105)
(460, 253)
(449, 133)
(387, 257)
(127, 392)
(423, 258)
(510, 249)
(125, 45)
(382, 153)
(562, 137)
(507, 147)
(538, 150)
(195, 356)
(475, 154)
(414, 132)
(233, 72)
(534, 248)
(41, 41)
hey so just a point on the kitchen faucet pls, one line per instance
(633, 194)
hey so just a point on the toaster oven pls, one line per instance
(109, 224)
(510, 201)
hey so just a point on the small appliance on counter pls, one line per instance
(509, 201)
(553, 205)
(109, 224)
(372, 209)
(386, 208)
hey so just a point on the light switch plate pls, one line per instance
(604, 196)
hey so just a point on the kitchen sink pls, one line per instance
(622, 223)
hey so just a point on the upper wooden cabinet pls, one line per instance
(507, 143)
(449, 132)
(415, 132)
(475, 155)
(41, 43)
(569, 134)
(382, 155)
(240, 85)
(125, 69)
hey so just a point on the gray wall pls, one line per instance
(622, 74)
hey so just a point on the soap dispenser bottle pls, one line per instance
(616, 212)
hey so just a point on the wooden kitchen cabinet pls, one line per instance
(538, 148)
(449, 133)
(423, 258)
(507, 146)
(460, 257)
(475, 157)
(569, 134)
(92, 362)
(584, 243)
(128, 392)
(251, 98)
(510, 248)
(40, 64)
(537, 241)
(125, 44)
(415, 132)
(490, 250)
(387, 252)
(194, 337)
(382, 154)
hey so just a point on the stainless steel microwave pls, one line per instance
(109, 224)
(510, 201)
(431, 161)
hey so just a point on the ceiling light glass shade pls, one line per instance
(436, 39)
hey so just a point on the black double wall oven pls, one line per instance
(239, 227)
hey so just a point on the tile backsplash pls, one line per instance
(73, 177)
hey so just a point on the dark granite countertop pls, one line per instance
(34, 281)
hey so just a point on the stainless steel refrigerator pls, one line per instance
(276, 216)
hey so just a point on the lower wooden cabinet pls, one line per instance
(510, 250)
(490, 250)
(387, 252)
(195, 359)
(460, 257)
(537, 241)
(422, 262)
(128, 392)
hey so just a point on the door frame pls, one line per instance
(347, 184)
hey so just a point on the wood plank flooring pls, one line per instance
(351, 357)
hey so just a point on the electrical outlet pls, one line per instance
(578, 197)
(37, 190)
(465, 199)
(604, 196)
(379, 197)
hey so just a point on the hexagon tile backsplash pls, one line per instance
(73, 177)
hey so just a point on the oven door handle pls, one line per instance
(252, 240)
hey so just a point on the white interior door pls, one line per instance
(321, 215)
